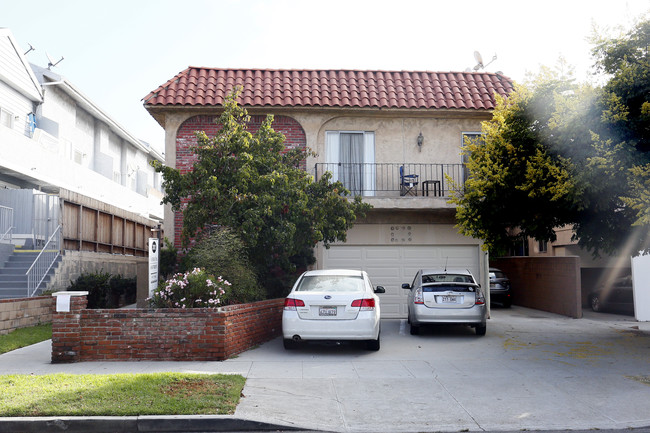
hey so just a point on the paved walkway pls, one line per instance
(532, 371)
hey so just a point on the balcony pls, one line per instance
(384, 183)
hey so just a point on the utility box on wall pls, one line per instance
(641, 287)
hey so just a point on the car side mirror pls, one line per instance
(406, 286)
(380, 289)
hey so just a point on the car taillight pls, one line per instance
(364, 304)
(417, 296)
(480, 299)
(291, 304)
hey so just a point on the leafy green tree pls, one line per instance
(514, 183)
(557, 153)
(252, 184)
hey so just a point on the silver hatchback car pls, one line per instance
(446, 296)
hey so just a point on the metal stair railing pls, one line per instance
(43, 262)
(6, 223)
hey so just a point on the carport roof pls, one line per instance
(202, 87)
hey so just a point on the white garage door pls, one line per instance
(390, 266)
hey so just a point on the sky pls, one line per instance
(117, 51)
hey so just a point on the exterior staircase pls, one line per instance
(13, 281)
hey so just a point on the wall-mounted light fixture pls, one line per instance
(420, 139)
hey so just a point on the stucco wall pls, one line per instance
(396, 134)
(544, 283)
(396, 137)
(75, 263)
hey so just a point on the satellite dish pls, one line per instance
(478, 58)
(52, 62)
(479, 61)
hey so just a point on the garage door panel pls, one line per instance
(382, 253)
(392, 265)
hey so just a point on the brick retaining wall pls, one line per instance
(24, 312)
(169, 334)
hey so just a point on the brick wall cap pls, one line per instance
(82, 293)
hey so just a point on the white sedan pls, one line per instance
(332, 305)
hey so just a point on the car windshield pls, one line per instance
(331, 283)
(447, 278)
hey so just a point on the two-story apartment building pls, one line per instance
(68, 169)
(393, 137)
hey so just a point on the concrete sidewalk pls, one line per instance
(533, 370)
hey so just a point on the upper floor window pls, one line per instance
(471, 137)
(6, 118)
(351, 159)
(542, 246)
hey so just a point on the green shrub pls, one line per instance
(221, 253)
(168, 260)
(126, 287)
(105, 290)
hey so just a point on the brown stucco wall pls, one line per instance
(544, 283)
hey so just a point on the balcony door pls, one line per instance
(351, 159)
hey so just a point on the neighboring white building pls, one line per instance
(67, 167)
(53, 137)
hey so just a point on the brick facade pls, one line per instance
(24, 312)
(186, 139)
(170, 334)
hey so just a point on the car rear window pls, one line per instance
(448, 288)
(497, 275)
(331, 283)
(446, 278)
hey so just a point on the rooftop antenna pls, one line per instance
(51, 62)
(31, 48)
(479, 61)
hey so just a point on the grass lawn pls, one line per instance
(120, 394)
(24, 337)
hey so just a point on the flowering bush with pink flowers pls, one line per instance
(193, 289)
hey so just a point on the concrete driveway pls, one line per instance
(533, 370)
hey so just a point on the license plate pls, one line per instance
(327, 311)
(449, 299)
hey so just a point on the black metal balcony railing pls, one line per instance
(395, 179)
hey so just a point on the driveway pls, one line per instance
(532, 371)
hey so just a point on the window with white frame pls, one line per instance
(351, 159)
(6, 118)
(471, 137)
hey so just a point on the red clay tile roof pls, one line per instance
(332, 88)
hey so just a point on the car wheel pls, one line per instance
(373, 344)
(595, 303)
(481, 330)
(415, 330)
(289, 344)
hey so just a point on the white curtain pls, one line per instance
(350, 158)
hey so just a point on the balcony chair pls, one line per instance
(408, 183)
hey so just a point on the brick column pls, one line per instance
(66, 325)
